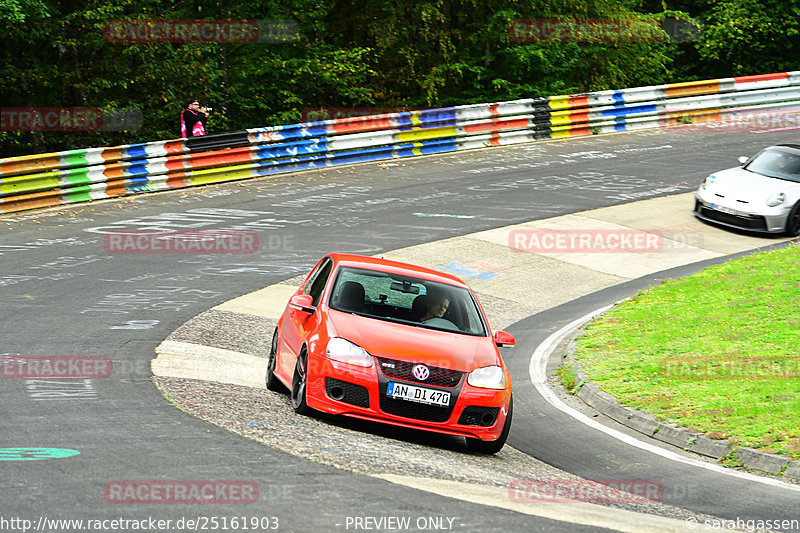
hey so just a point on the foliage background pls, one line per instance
(398, 54)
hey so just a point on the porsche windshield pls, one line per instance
(407, 300)
(776, 164)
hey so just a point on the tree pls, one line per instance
(743, 37)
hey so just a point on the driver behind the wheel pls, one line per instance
(438, 302)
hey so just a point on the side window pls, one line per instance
(317, 283)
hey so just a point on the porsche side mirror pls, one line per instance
(743, 159)
(302, 302)
(503, 338)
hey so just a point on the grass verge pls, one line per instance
(717, 351)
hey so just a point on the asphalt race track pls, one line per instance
(63, 293)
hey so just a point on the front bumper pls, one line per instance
(772, 221)
(342, 389)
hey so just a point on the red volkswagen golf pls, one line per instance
(395, 343)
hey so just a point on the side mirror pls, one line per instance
(503, 338)
(302, 302)
(743, 159)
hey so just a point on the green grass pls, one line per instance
(566, 376)
(718, 351)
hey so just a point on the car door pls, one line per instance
(297, 325)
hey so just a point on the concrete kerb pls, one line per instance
(683, 438)
(495, 270)
(793, 471)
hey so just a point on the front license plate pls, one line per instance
(723, 209)
(411, 393)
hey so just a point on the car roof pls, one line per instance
(395, 267)
(792, 147)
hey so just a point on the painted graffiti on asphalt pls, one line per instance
(230, 219)
(156, 299)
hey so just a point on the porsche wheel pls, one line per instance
(493, 446)
(793, 221)
(272, 382)
(299, 381)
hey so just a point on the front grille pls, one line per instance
(417, 411)
(741, 221)
(479, 416)
(343, 391)
(439, 377)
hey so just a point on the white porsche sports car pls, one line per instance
(762, 194)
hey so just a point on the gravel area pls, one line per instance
(357, 446)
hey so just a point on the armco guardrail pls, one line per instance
(61, 178)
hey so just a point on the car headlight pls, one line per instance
(345, 351)
(708, 181)
(776, 199)
(487, 377)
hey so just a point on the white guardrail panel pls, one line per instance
(61, 178)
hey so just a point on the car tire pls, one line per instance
(793, 222)
(272, 382)
(299, 382)
(494, 446)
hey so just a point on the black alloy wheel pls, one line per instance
(272, 382)
(793, 221)
(299, 381)
(494, 446)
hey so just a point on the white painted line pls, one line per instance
(581, 513)
(268, 302)
(195, 361)
(538, 373)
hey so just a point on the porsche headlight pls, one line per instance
(776, 199)
(708, 181)
(487, 377)
(345, 351)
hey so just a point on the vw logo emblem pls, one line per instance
(421, 372)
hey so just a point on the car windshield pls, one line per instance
(407, 300)
(776, 164)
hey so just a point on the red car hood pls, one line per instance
(414, 344)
